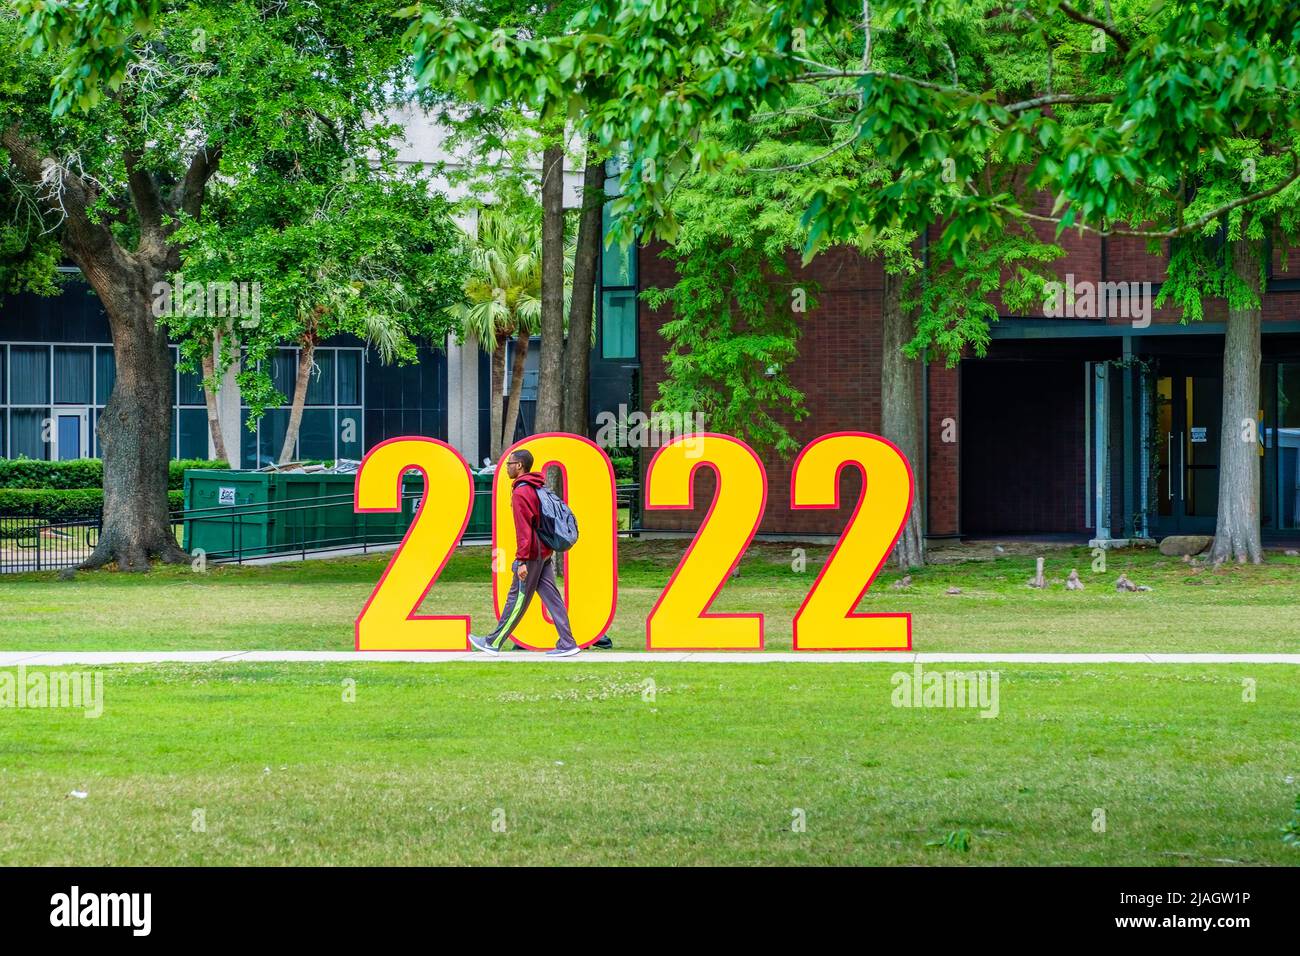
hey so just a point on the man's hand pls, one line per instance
(523, 571)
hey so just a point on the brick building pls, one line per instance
(1104, 427)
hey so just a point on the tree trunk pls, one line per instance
(135, 434)
(577, 348)
(498, 396)
(135, 428)
(209, 368)
(900, 418)
(1236, 533)
(516, 389)
(306, 360)
(549, 381)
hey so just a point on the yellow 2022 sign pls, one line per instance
(680, 619)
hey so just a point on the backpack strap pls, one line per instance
(538, 520)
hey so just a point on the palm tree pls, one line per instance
(502, 300)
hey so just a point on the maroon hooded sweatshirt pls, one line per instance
(526, 507)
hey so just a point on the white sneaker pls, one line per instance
(573, 651)
(481, 644)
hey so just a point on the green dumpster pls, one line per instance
(227, 512)
(480, 516)
(250, 514)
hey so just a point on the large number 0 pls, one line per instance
(388, 622)
(680, 620)
(827, 620)
(591, 567)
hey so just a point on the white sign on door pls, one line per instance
(225, 495)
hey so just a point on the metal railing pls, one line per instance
(34, 544)
(300, 527)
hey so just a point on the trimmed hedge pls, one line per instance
(624, 467)
(81, 473)
(69, 504)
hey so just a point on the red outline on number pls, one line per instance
(613, 523)
(689, 506)
(911, 498)
(411, 615)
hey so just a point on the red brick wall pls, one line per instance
(943, 488)
(838, 371)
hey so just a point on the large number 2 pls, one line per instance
(388, 622)
(591, 567)
(680, 619)
(827, 620)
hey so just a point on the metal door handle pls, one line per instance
(1182, 470)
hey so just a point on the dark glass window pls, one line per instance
(247, 442)
(270, 436)
(284, 372)
(316, 434)
(189, 389)
(29, 368)
(105, 374)
(27, 433)
(618, 324)
(320, 386)
(73, 375)
(349, 433)
(349, 362)
(193, 433)
(617, 264)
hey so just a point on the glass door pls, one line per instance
(1189, 408)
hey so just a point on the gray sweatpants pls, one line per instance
(540, 581)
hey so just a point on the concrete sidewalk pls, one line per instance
(67, 658)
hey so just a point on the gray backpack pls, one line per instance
(556, 524)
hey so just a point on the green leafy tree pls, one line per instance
(518, 151)
(151, 102)
(333, 250)
(1113, 117)
(734, 215)
(500, 300)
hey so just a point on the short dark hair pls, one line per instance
(524, 457)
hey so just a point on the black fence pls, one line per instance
(33, 544)
(242, 533)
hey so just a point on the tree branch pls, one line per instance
(190, 194)
(69, 199)
(1080, 17)
(820, 75)
(145, 196)
(1078, 99)
(1173, 233)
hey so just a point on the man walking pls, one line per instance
(533, 568)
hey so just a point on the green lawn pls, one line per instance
(312, 605)
(582, 768)
(583, 765)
